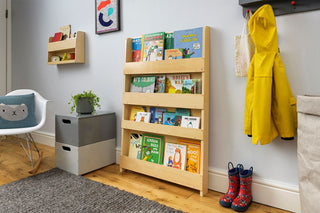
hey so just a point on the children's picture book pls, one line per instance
(169, 40)
(153, 45)
(190, 41)
(183, 112)
(143, 117)
(57, 37)
(134, 110)
(189, 86)
(174, 82)
(66, 30)
(160, 84)
(136, 49)
(190, 122)
(175, 155)
(135, 145)
(144, 84)
(168, 118)
(157, 115)
(193, 155)
(177, 120)
(152, 148)
(173, 54)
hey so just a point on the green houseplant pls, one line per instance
(85, 102)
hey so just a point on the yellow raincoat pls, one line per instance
(270, 107)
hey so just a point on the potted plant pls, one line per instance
(84, 103)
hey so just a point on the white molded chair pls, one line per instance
(40, 114)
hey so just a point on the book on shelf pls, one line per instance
(157, 115)
(57, 37)
(193, 154)
(189, 86)
(175, 156)
(160, 84)
(190, 41)
(136, 49)
(134, 110)
(177, 120)
(174, 82)
(173, 54)
(190, 122)
(143, 117)
(152, 46)
(182, 112)
(66, 30)
(152, 148)
(135, 145)
(168, 118)
(143, 84)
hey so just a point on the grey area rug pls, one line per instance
(60, 191)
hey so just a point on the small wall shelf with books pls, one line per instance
(196, 104)
(72, 45)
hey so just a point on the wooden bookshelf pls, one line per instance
(197, 103)
(72, 45)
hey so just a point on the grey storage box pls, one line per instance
(309, 152)
(85, 143)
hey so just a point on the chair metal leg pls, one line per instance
(31, 146)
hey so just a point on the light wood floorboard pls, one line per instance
(14, 165)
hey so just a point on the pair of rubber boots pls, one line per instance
(238, 196)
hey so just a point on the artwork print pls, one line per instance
(107, 16)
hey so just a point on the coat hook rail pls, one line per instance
(281, 7)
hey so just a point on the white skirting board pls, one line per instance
(264, 191)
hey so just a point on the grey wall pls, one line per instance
(35, 20)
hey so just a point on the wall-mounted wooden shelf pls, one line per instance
(281, 7)
(198, 68)
(72, 45)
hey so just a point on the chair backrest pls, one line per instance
(40, 103)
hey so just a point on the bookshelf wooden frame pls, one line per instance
(72, 45)
(196, 102)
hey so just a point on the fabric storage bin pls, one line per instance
(308, 108)
(85, 143)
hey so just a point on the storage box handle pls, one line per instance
(66, 121)
(66, 148)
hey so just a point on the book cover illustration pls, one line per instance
(190, 41)
(168, 42)
(57, 37)
(134, 110)
(136, 49)
(190, 122)
(189, 86)
(173, 54)
(160, 84)
(152, 148)
(193, 155)
(168, 118)
(174, 83)
(156, 115)
(66, 30)
(143, 84)
(183, 112)
(135, 146)
(152, 45)
(143, 117)
(175, 155)
(177, 120)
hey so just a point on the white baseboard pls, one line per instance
(264, 191)
(44, 138)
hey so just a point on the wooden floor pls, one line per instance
(14, 165)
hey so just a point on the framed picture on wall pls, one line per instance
(107, 16)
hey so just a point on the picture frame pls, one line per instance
(107, 16)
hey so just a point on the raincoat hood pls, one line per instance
(262, 24)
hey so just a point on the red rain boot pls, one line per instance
(234, 185)
(244, 198)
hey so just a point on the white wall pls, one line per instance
(35, 20)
